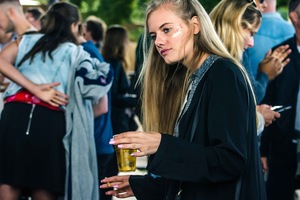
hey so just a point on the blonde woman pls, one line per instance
(198, 111)
(236, 31)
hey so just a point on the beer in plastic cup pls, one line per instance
(126, 162)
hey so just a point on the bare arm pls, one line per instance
(45, 92)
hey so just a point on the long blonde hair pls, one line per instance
(230, 18)
(164, 86)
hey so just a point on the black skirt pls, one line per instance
(32, 154)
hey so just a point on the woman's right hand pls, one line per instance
(146, 143)
(268, 114)
(120, 185)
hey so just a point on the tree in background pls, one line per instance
(282, 8)
(130, 12)
(125, 12)
(209, 4)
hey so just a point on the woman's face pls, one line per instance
(171, 35)
(74, 28)
(249, 39)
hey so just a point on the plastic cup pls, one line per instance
(126, 162)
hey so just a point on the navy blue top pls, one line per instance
(102, 125)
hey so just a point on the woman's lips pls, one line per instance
(164, 52)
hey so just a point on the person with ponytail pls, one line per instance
(47, 147)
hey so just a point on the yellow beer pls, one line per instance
(126, 162)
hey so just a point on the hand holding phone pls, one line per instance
(280, 108)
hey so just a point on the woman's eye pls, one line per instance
(153, 37)
(166, 30)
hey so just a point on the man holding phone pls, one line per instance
(279, 140)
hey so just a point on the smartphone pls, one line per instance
(280, 108)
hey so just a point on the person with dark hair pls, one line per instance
(280, 142)
(94, 29)
(33, 15)
(123, 101)
(47, 150)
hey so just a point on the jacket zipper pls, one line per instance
(30, 118)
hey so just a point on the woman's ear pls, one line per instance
(293, 16)
(195, 24)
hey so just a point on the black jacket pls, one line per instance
(278, 140)
(120, 98)
(223, 150)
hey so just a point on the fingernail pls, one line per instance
(112, 141)
(120, 146)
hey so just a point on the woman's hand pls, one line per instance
(146, 143)
(274, 62)
(46, 93)
(120, 185)
(264, 163)
(268, 114)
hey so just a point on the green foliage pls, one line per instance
(129, 13)
(209, 4)
(43, 2)
(284, 12)
(282, 3)
(116, 11)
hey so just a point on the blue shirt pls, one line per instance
(273, 30)
(102, 125)
(40, 71)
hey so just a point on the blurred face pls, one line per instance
(85, 33)
(249, 39)
(6, 24)
(29, 17)
(74, 28)
(171, 35)
(295, 18)
(4, 35)
(34, 22)
(261, 4)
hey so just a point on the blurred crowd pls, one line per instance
(69, 85)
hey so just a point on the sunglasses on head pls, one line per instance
(253, 1)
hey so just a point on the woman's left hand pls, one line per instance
(46, 93)
(146, 143)
(120, 185)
